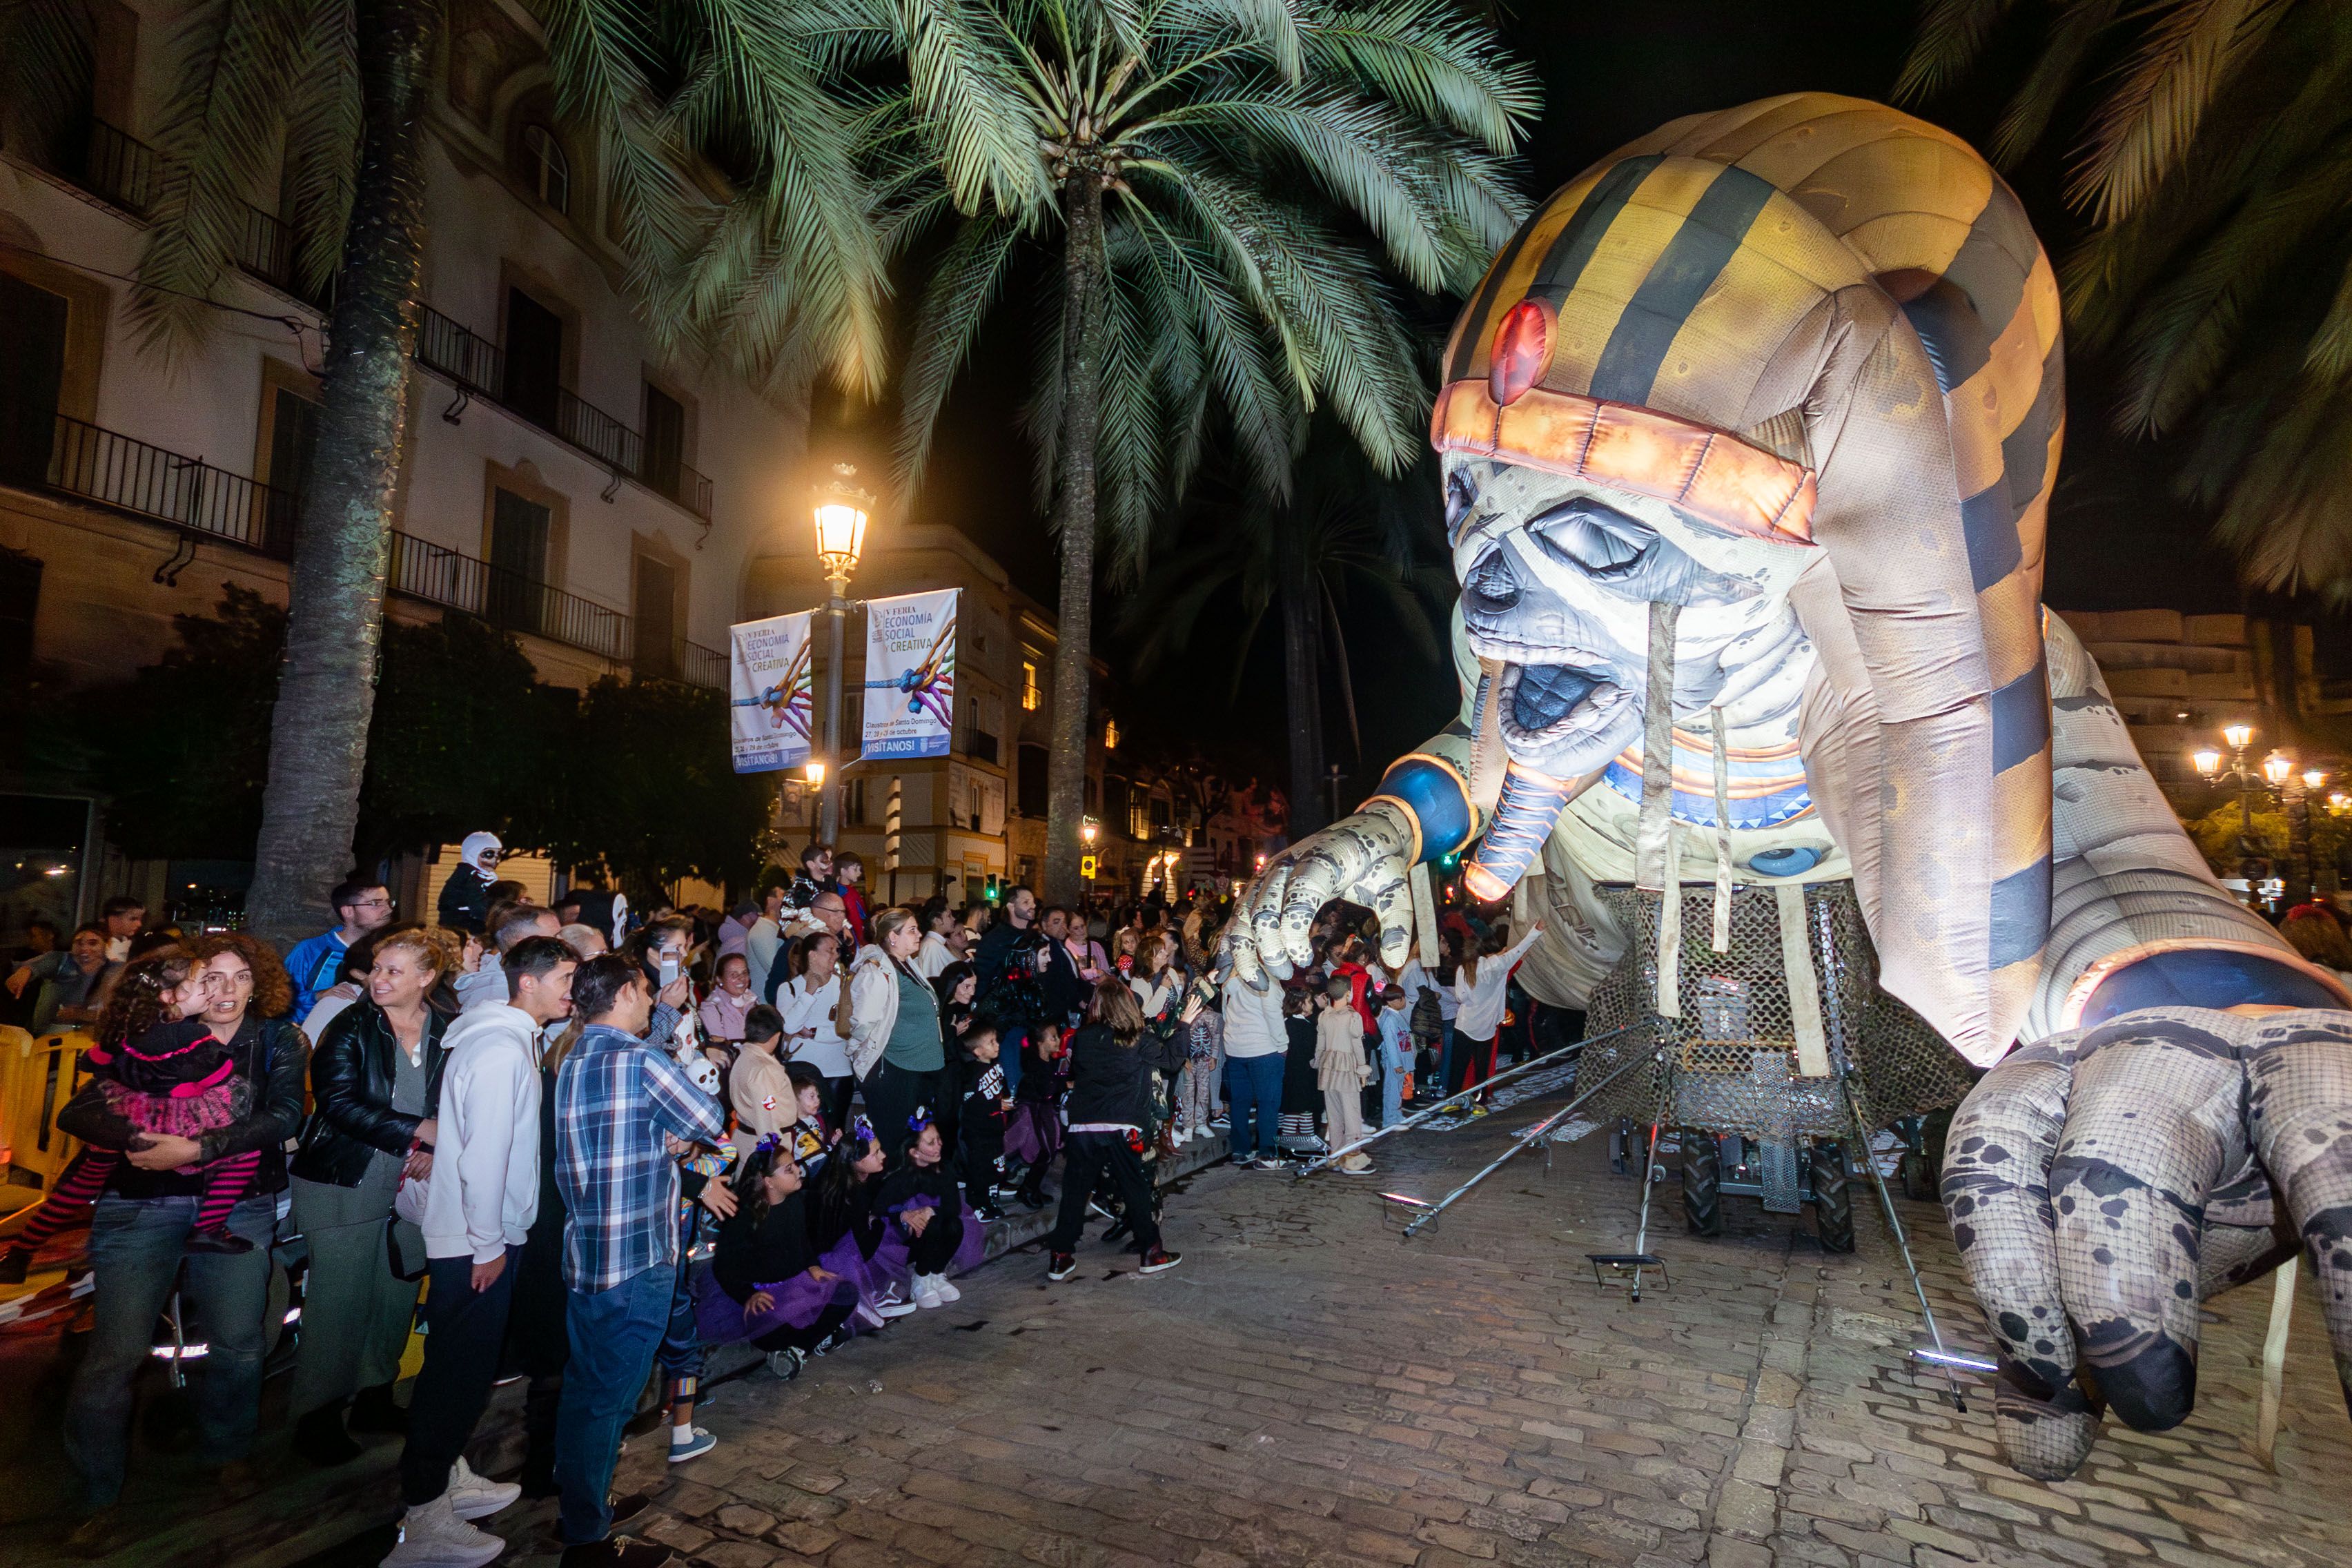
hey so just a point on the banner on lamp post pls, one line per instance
(910, 675)
(770, 702)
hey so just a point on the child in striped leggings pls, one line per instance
(174, 1080)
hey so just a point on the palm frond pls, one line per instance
(1952, 36)
(2146, 124)
(2026, 119)
(962, 289)
(219, 139)
(1432, 61)
(2328, 357)
(323, 125)
(45, 73)
(2186, 331)
(966, 85)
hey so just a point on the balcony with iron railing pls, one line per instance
(133, 176)
(199, 501)
(133, 476)
(479, 367)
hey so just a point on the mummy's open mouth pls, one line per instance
(1548, 709)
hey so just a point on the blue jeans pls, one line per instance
(1254, 1091)
(1008, 1053)
(135, 1251)
(1444, 1057)
(614, 1335)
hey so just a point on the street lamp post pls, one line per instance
(841, 515)
(2277, 776)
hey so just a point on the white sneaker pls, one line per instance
(433, 1536)
(891, 1307)
(943, 1290)
(926, 1294)
(472, 1497)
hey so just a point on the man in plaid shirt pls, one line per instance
(619, 1105)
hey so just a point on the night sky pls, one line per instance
(2118, 536)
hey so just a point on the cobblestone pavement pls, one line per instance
(1307, 1389)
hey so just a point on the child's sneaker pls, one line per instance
(1062, 1266)
(698, 1442)
(927, 1292)
(988, 1214)
(1158, 1260)
(944, 1290)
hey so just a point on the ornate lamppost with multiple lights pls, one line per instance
(2277, 778)
(841, 510)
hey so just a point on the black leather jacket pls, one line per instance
(352, 1070)
(1110, 1084)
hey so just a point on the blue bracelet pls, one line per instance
(1436, 797)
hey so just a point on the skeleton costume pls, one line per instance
(1749, 438)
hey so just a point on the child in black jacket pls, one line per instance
(985, 1103)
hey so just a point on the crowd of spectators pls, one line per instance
(582, 1146)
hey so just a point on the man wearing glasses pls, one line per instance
(315, 964)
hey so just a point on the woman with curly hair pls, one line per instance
(150, 1204)
(375, 1080)
(159, 1067)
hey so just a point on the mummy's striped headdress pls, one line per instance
(1815, 321)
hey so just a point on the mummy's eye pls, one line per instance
(1593, 538)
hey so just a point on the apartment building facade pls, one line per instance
(559, 478)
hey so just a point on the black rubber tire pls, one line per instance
(1918, 1183)
(1702, 1182)
(1832, 1196)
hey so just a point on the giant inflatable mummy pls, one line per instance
(1749, 438)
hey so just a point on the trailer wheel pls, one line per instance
(1832, 1196)
(1702, 1182)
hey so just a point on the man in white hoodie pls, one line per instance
(481, 1198)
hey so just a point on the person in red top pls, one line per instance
(1350, 968)
(849, 876)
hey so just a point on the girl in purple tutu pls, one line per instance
(928, 1219)
(847, 1229)
(1033, 1135)
(770, 1287)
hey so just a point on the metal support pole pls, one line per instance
(1854, 1105)
(1650, 1165)
(1409, 1122)
(1525, 1141)
(836, 610)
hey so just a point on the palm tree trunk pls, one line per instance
(1303, 676)
(1082, 284)
(325, 689)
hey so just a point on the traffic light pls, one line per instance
(994, 892)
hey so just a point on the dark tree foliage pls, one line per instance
(649, 786)
(184, 746)
(463, 737)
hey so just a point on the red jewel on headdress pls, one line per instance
(1522, 350)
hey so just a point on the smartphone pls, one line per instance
(668, 971)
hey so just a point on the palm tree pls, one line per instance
(1342, 531)
(1218, 193)
(788, 273)
(2218, 269)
